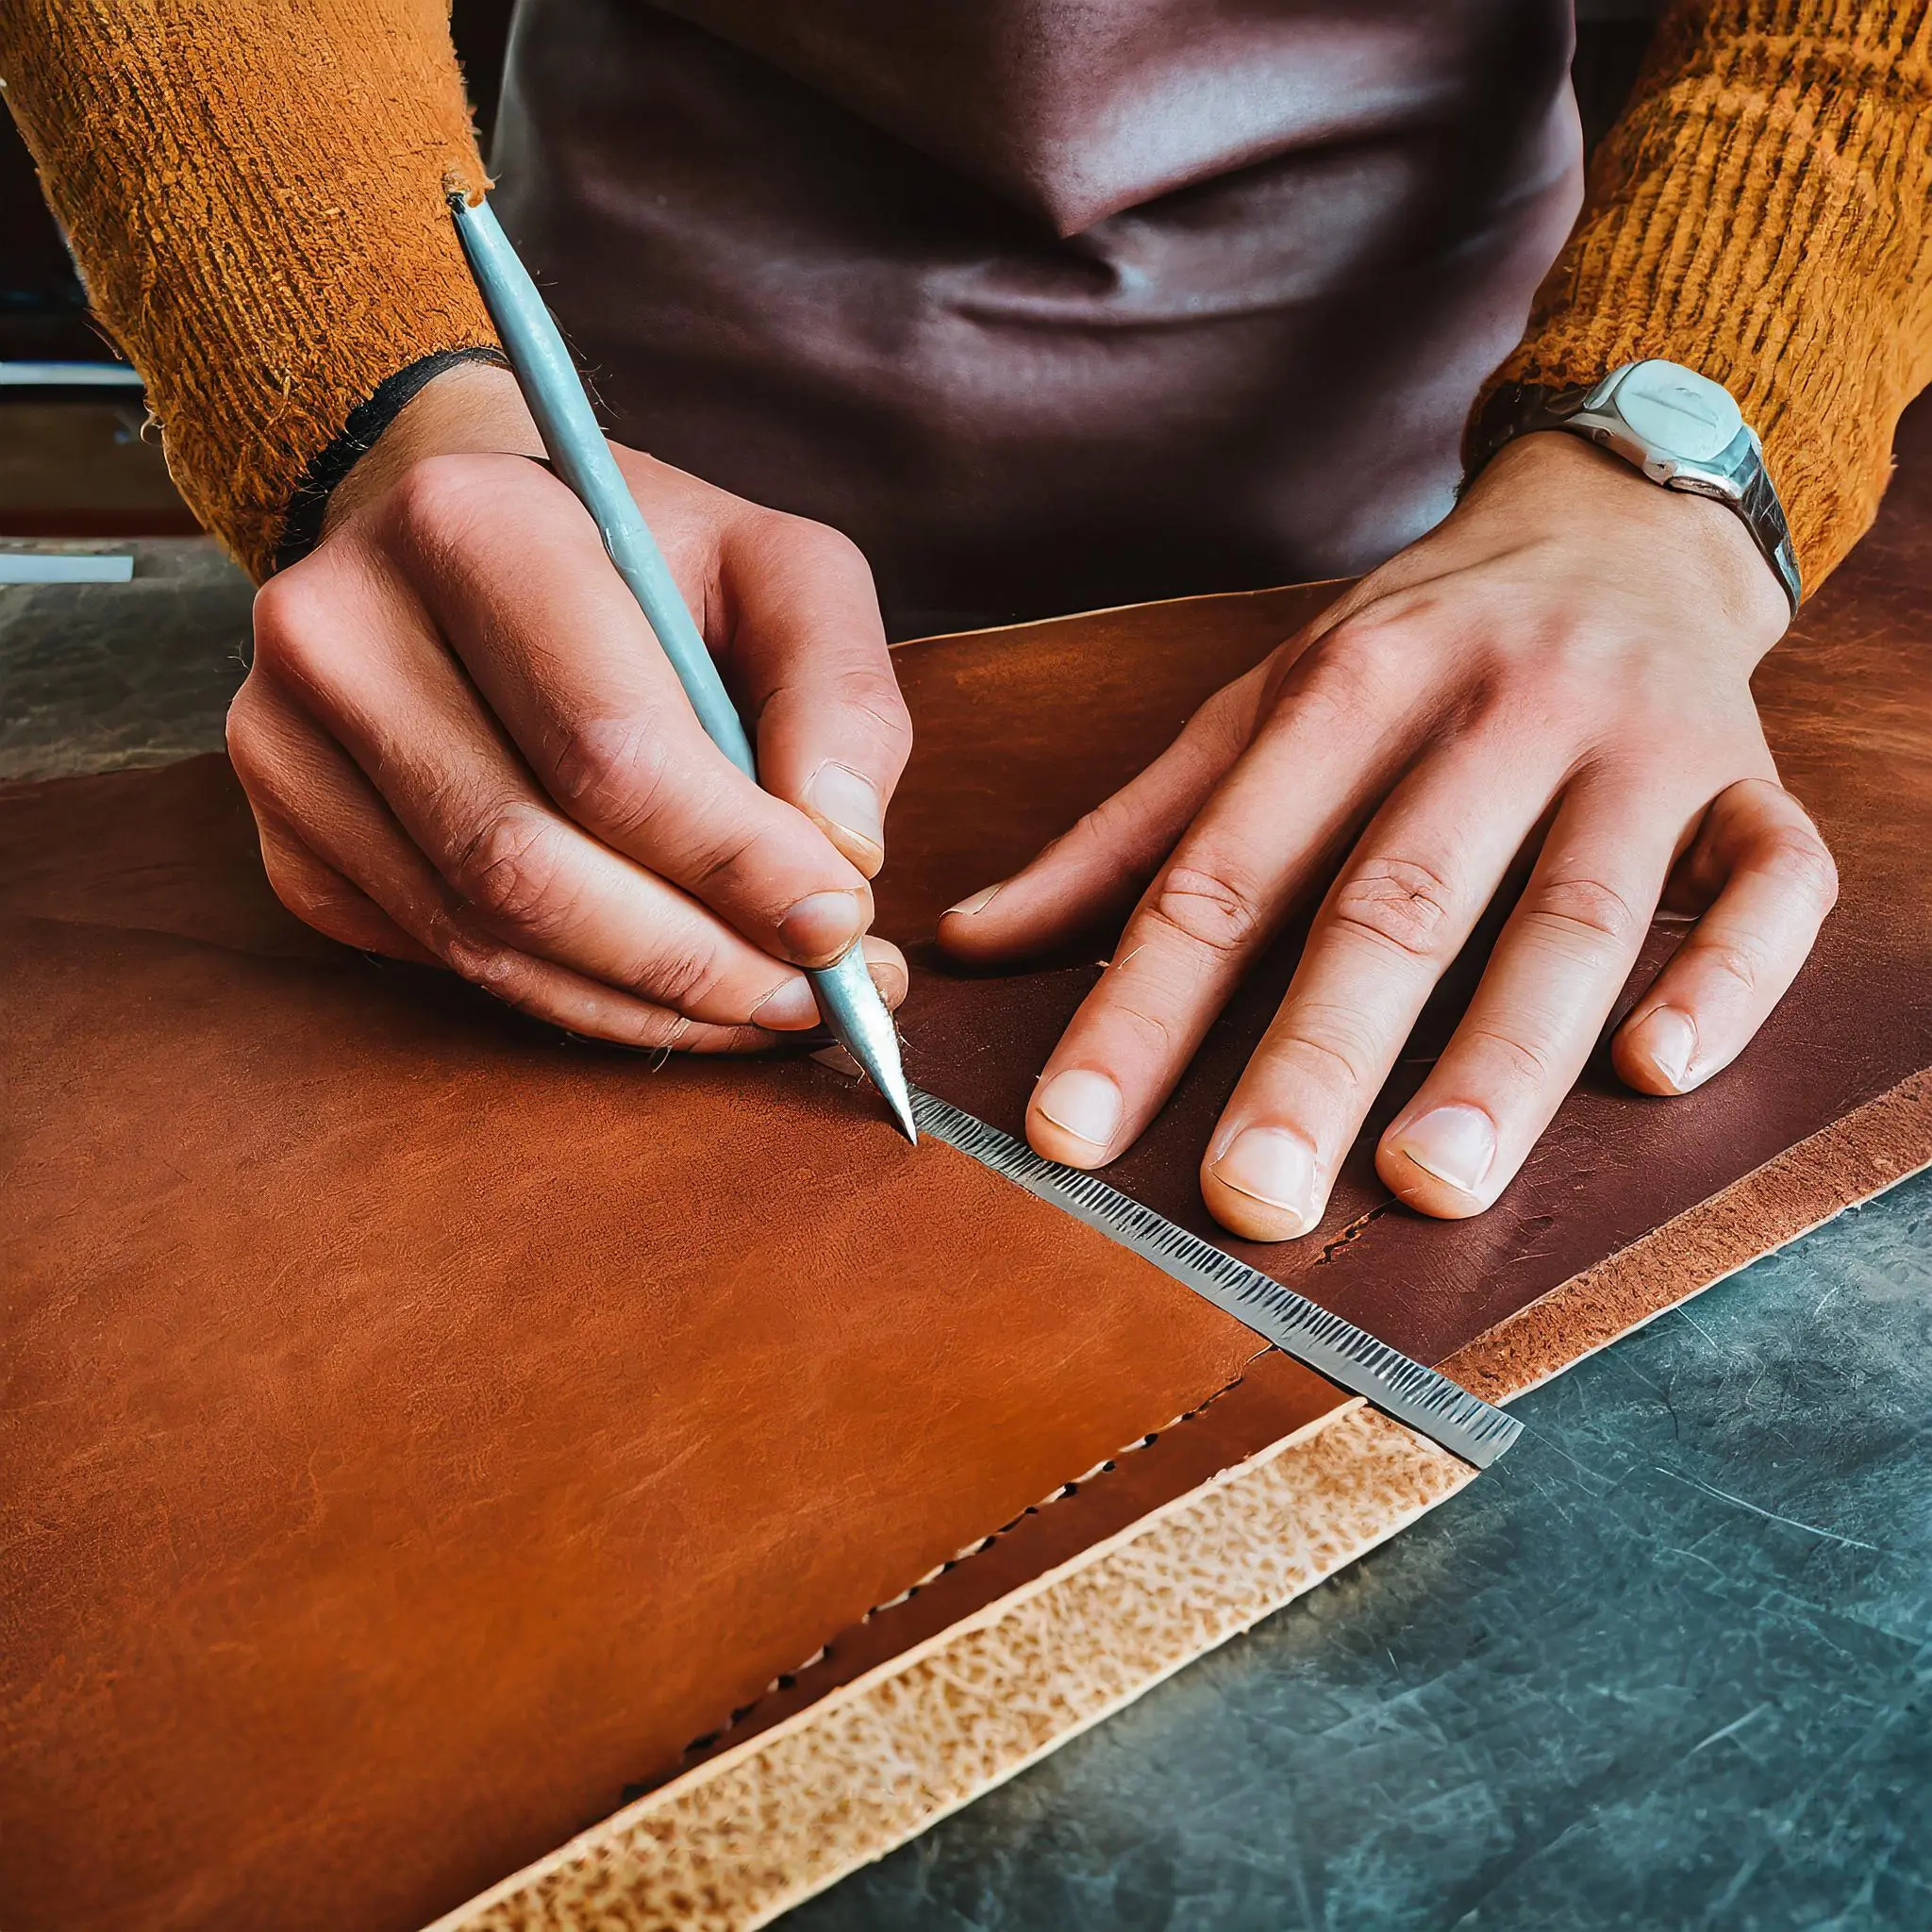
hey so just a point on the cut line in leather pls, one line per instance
(787, 1680)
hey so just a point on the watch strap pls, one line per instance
(1764, 517)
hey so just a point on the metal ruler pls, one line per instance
(1424, 1398)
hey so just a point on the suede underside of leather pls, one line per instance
(420, 1429)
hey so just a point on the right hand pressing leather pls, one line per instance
(462, 744)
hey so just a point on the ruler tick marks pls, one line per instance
(1424, 1398)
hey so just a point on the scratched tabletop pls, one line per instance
(1667, 1665)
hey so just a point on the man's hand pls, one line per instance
(462, 744)
(1562, 667)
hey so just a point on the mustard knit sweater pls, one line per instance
(253, 189)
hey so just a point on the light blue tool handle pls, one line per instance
(847, 998)
(556, 397)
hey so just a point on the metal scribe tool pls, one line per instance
(848, 1001)
(1424, 1398)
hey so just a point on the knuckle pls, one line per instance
(1737, 959)
(1215, 906)
(248, 739)
(1328, 1041)
(502, 975)
(1522, 1061)
(1801, 861)
(681, 979)
(872, 691)
(825, 547)
(290, 612)
(720, 860)
(509, 870)
(264, 751)
(317, 897)
(1340, 691)
(1372, 635)
(1585, 914)
(663, 1033)
(441, 510)
(1154, 1028)
(292, 885)
(798, 547)
(1106, 841)
(609, 771)
(436, 494)
(1403, 903)
(481, 959)
(1355, 677)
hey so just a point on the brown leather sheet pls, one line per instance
(418, 1430)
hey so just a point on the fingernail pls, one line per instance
(978, 903)
(887, 971)
(1274, 1165)
(787, 1005)
(1669, 1036)
(821, 927)
(1456, 1144)
(1087, 1105)
(851, 801)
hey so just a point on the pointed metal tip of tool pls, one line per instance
(851, 1006)
(876, 1049)
(885, 1072)
(901, 1103)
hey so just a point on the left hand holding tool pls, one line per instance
(462, 744)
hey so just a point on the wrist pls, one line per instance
(1550, 476)
(473, 408)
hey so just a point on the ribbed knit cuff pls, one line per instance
(1763, 214)
(308, 503)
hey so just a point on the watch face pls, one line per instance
(1678, 412)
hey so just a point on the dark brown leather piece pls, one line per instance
(1847, 704)
(1049, 305)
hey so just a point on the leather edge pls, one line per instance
(753, 1832)
(1876, 1146)
(750, 1833)
(1033, 625)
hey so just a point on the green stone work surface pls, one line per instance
(1667, 1665)
(100, 677)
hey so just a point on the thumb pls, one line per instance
(807, 654)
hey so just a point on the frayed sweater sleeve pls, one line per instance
(1762, 212)
(254, 193)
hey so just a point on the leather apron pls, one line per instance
(1049, 304)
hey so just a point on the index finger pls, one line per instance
(1257, 845)
(807, 653)
(566, 660)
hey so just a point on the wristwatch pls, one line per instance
(1680, 429)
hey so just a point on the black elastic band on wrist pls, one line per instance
(308, 501)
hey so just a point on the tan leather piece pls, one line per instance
(1275, 1401)
(749, 1833)
(417, 1429)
